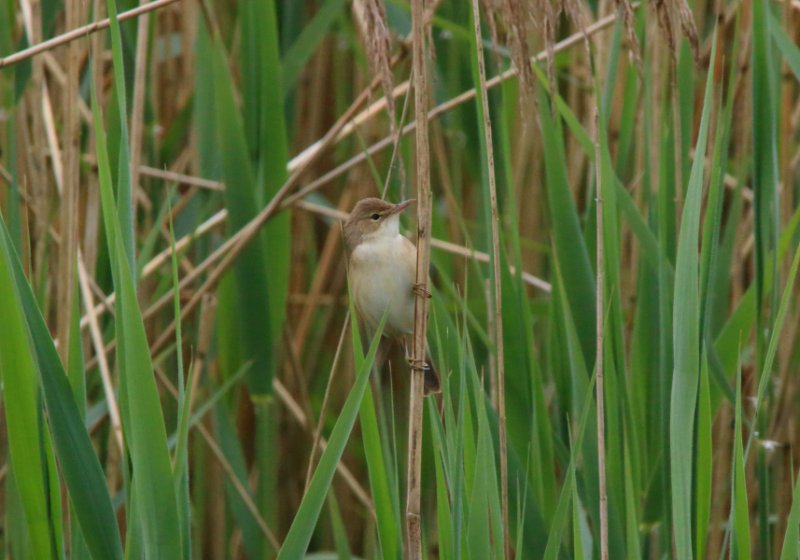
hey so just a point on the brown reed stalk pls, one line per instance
(414, 466)
(69, 194)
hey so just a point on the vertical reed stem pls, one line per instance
(601, 416)
(413, 521)
(71, 146)
(497, 309)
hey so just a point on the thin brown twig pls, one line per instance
(496, 307)
(79, 32)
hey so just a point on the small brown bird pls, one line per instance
(382, 273)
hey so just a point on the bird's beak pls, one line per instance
(402, 206)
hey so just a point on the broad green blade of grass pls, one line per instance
(143, 421)
(632, 509)
(765, 112)
(386, 511)
(17, 541)
(305, 520)
(570, 246)
(241, 200)
(529, 427)
(77, 458)
(124, 195)
(273, 157)
(54, 505)
(686, 335)
(21, 407)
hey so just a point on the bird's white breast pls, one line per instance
(382, 276)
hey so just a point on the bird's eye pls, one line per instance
(375, 217)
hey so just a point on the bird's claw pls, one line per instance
(417, 365)
(421, 290)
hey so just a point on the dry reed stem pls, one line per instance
(423, 180)
(48, 120)
(79, 32)
(496, 307)
(181, 178)
(70, 190)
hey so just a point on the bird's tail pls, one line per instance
(432, 383)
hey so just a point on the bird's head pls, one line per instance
(372, 218)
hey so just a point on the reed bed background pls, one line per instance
(614, 252)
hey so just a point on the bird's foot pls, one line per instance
(421, 290)
(417, 365)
